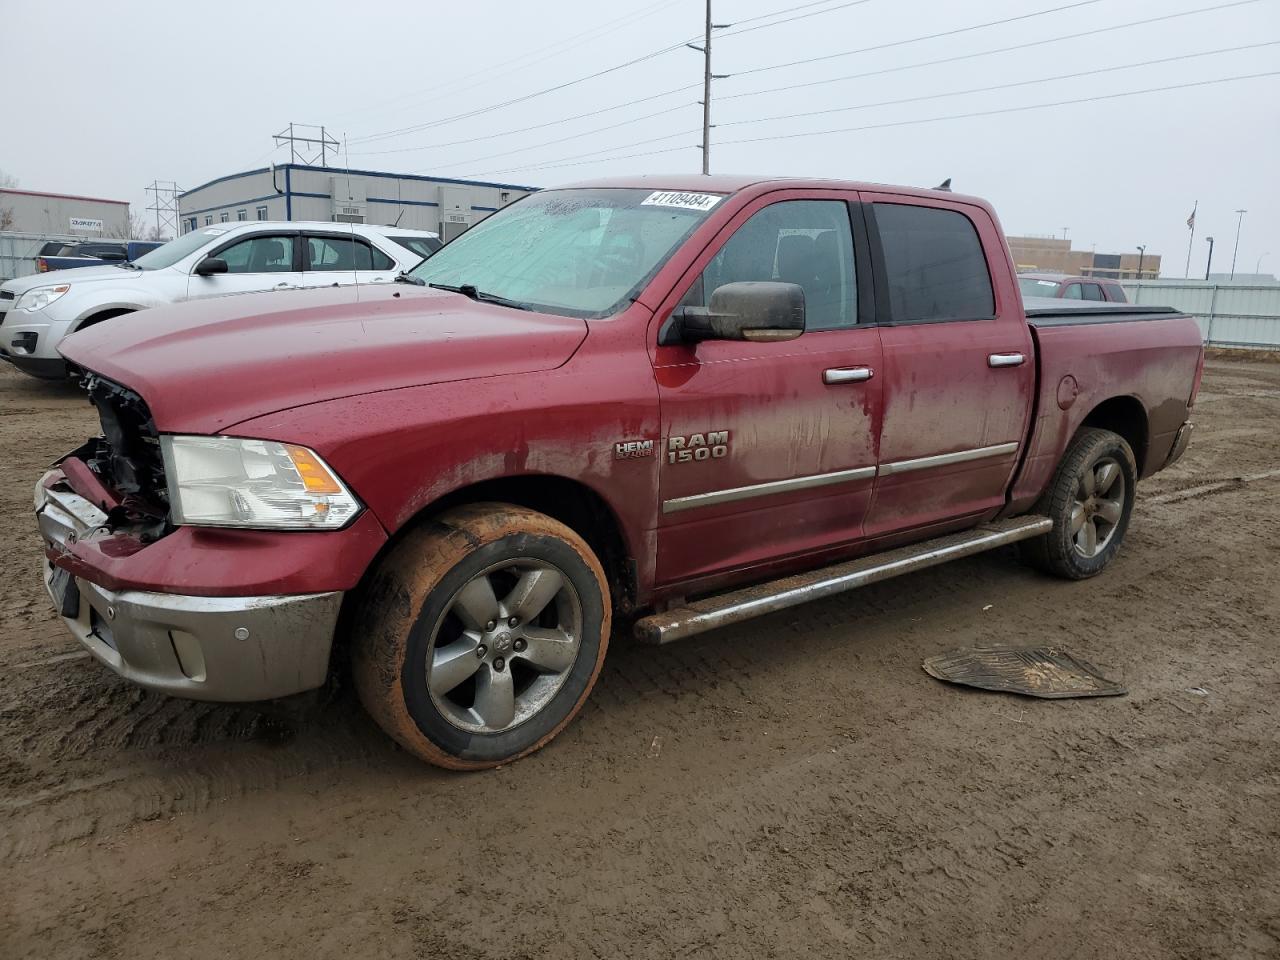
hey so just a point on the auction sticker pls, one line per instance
(686, 201)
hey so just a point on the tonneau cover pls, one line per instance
(1047, 311)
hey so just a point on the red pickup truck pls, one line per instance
(679, 401)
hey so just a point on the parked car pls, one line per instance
(90, 253)
(1055, 285)
(682, 402)
(37, 312)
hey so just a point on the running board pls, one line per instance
(726, 608)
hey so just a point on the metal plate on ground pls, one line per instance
(1049, 672)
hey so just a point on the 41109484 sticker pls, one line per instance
(685, 201)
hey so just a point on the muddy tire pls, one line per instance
(1090, 502)
(481, 634)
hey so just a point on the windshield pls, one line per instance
(1031, 287)
(575, 252)
(167, 254)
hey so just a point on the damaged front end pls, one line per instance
(121, 472)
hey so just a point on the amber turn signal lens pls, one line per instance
(314, 476)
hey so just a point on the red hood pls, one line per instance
(205, 365)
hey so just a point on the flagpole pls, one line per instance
(1191, 222)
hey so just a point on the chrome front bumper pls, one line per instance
(203, 648)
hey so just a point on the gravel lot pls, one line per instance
(795, 787)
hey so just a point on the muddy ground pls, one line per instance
(795, 787)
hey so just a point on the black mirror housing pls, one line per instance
(755, 310)
(211, 265)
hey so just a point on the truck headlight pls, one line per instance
(234, 482)
(37, 298)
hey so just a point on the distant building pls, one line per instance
(295, 191)
(28, 211)
(1051, 255)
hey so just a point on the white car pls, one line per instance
(213, 261)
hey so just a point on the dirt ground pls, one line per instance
(795, 787)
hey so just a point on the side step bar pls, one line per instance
(726, 608)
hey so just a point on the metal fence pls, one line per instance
(18, 251)
(1229, 314)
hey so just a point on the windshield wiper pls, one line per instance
(403, 277)
(469, 290)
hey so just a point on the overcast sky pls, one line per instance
(104, 98)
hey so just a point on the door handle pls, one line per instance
(1005, 360)
(847, 374)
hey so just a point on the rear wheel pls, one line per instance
(481, 635)
(1090, 502)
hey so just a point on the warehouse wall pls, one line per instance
(53, 213)
(307, 193)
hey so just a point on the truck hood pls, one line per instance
(206, 365)
(79, 275)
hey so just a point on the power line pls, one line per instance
(984, 53)
(895, 123)
(537, 126)
(592, 76)
(575, 136)
(568, 43)
(930, 36)
(802, 16)
(522, 99)
(1003, 86)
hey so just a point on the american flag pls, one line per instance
(1191, 220)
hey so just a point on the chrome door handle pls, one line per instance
(847, 375)
(1005, 360)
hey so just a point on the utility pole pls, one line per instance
(1191, 225)
(707, 77)
(307, 149)
(1142, 252)
(1208, 263)
(165, 206)
(1239, 221)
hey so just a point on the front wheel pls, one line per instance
(1090, 502)
(481, 634)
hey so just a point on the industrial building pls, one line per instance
(296, 191)
(59, 214)
(1052, 255)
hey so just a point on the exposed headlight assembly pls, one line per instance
(37, 298)
(255, 484)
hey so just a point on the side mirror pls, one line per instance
(211, 265)
(756, 310)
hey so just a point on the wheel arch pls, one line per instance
(97, 316)
(1124, 415)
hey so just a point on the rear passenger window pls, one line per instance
(345, 253)
(1092, 291)
(807, 242)
(934, 263)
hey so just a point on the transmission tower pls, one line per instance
(305, 147)
(164, 205)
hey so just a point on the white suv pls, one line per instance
(37, 312)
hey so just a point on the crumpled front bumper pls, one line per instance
(203, 648)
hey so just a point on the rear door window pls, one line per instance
(1092, 291)
(328, 253)
(934, 264)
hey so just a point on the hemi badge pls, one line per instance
(632, 449)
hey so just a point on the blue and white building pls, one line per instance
(299, 192)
